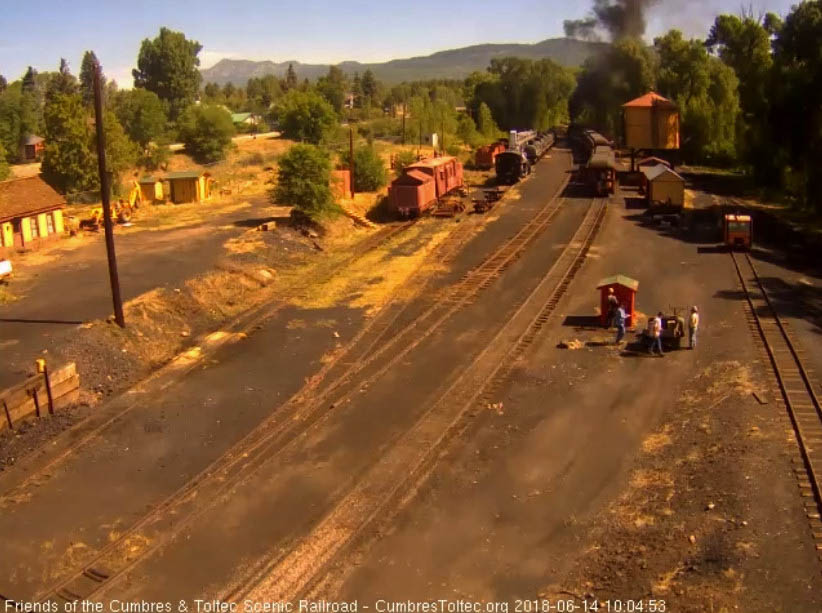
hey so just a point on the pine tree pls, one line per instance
(3, 84)
(87, 69)
(290, 77)
(69, 163)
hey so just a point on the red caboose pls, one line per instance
(422, 183)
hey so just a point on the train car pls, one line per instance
(511, 166)
(538, 146)
(599, 174)
(423, 183)
(487, 155)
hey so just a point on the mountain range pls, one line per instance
(449, 64)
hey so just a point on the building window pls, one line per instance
(50, 223)
(33, 227)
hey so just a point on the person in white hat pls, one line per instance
(693, 326)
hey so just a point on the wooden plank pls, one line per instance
(64, 393)
(58, 375)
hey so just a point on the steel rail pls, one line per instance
(273, 434)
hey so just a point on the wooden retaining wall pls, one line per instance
(20, 401)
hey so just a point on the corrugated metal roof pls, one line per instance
(240, 117)
(22, 197)
(649, 100)
(186, 174)
(619, 280)
(654, 172)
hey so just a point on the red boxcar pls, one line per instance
(422, 183)
(487, 155)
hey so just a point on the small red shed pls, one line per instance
(625, 289)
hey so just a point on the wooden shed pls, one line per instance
(30, 212)
(189, 186)
(151, 189)
(625, 289)
(32, 147)
(651, 122)
(663, 186)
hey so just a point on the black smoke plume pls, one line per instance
(618, 18)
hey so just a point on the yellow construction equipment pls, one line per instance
(122, 211)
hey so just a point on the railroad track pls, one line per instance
(244, 323)
(387, 486)
(795, 386)
(168, 518)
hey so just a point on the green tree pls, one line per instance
(11, 125)
(87, 69)
(796, 118)
(141, 114)
(68, 161)
(369, 170)
(333, 87)
(303, 178)
(305, 116)
(290, 78)
(62, 82)
(121, 152)
(467, 131)
(705, 90)
(403, 159)
(212, 93)
(370, 87)
(524, 94)
(4, 164)
(206, 131)
(168, 66)
(3, 84)
(485, 123)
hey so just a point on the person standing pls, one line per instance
(613, 303)
(619, 319)
(693, 326)
(656, 334)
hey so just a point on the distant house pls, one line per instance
(30, 212)
(247, 119)
(32, 147)
(189, 186)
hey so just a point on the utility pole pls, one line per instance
(403, 123)
(105, 197)
(351, 156)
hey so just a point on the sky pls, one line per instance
(39, 33)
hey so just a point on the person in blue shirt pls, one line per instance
(619, 321)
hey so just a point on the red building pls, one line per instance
(625, 289)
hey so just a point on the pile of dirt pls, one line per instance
(687, 530)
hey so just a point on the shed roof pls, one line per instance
(652, 161)
(653, 173)
(628, 282)
(240, 117)
(27, 196)
(432, 162)
(649, 100)
(186, 174)
(144, 180)
(33, 139)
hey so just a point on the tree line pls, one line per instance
(749, 94)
